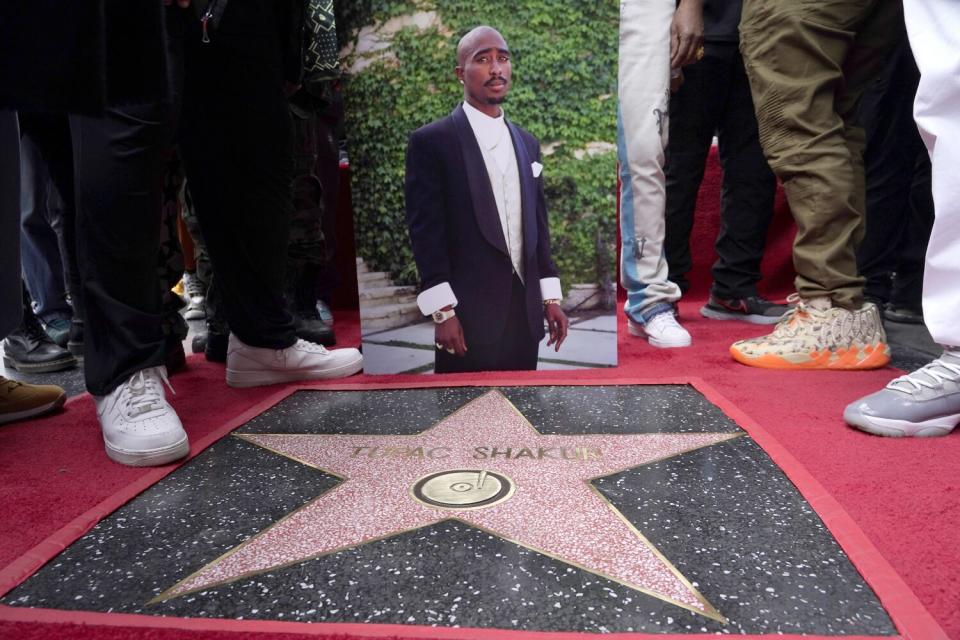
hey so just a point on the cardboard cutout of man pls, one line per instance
(478, 224)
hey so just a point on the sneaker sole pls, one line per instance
(35, 412)
(151, 458)
(713, 314)
(638, 331)
(871, 357)
(243, 379)
(41, 367)
(892, 428)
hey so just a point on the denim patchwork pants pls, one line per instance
(642, 126)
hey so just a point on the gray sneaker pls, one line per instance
(924, 403)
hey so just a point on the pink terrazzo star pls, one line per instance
(554, 508)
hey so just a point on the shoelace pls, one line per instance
(937, 372)
(664, 320)
(9, 385)
(193, 287)
(142, 395)
(33, 328)
(313, 347)
(789, 323)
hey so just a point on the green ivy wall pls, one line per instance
(564, 72)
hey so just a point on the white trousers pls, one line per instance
(642, 125)
(934, 30)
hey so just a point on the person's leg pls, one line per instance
(328, 170)
(118, 160)
(906, 297)
(40, 249)
(18, 401)
(642, 131)
(811, 143)
(236, 148)
(694, 110)
(306, 249)
(10, 283)
(51, 135)
(934, 29)
(886, 113)
(748, 191)
(927, 402)
(170, 265)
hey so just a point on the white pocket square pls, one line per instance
(537, 169)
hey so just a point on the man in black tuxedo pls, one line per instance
(478, 223)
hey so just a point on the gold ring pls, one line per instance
(700, 52)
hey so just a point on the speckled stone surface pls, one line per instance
(723, 516)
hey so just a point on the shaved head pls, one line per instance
(470, 41)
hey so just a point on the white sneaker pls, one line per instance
(253, 367)
(140, 428)
(662, 330)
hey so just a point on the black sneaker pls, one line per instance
(755, 310)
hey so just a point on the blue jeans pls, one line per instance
(42, 241)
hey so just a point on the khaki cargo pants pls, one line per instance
(809, 62)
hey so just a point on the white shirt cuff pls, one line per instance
(550, 289)
(439, 296)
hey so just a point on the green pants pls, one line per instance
(809, 62)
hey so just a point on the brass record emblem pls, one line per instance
(463, 489)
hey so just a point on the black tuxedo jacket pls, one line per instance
(455, 228)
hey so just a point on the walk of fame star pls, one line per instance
(484, 465)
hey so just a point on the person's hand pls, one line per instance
(183, 4)
(686, 33)
(557, 324)
(449, 336)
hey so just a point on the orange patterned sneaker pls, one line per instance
(817, 335)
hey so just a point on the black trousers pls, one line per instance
(235, 143)
(715, 98)
(899, 198)
(516, 350)
(117, 161)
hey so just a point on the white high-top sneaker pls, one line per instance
(253, 366)
(140, 428)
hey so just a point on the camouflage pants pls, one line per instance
(307, 250)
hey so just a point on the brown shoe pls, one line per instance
(19, 400)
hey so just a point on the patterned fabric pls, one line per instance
(321, 59)
(811, 338)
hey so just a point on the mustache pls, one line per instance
(494, 81)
